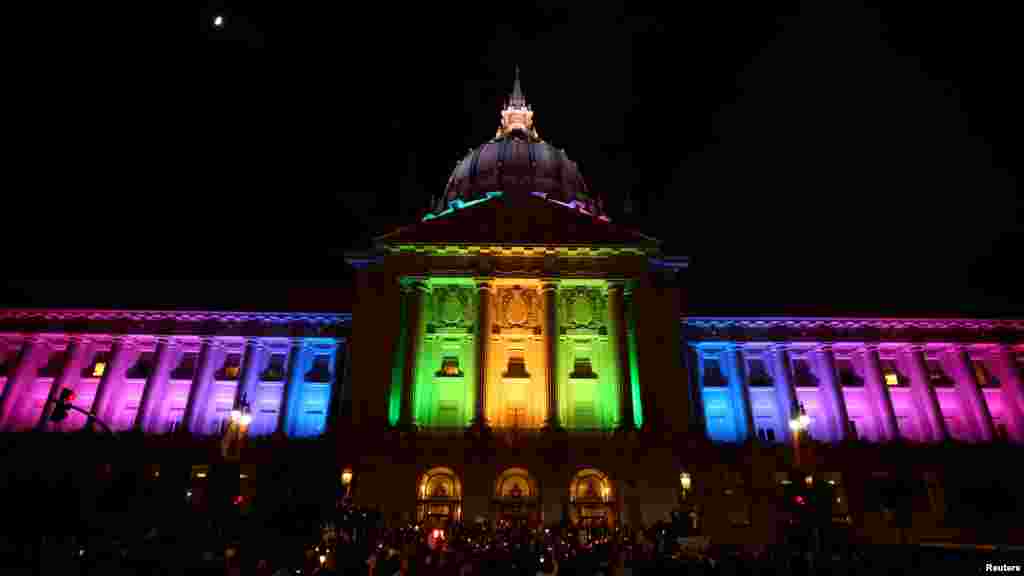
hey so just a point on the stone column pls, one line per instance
(110, 384)
(159, 411)
(785, 393)
(619, 328)
(833, 392)
(484, 288)
(925, 399)
(1012, 385)
(248, 380)
(739, 391)
(145, 417)
(291, 401)
(197, 392)
(416, 289)
(73, 359)
(971, 397)
(885, 414)
(551, 331)
(19, 383)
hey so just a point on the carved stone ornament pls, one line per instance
(452, 307)
(583, 308)
(517, 307)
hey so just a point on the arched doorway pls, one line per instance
(592, 502)
(439, 498)
(516, 499)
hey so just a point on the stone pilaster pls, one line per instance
(619, 328)
(785, 393)
(291, 400)
(111, 382)
(1011, 383)
(194, 407)
(146, 417)
(485, 289)
(551, 331)
(971, 397)
(927, 402)
(881, 401)
(74, 357)
(739, 392)
(833, 392)
(416, 289)
(248, 381)
(18, 384)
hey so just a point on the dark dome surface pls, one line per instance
(518, 161)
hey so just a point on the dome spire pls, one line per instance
(517, 114)
(517, 98)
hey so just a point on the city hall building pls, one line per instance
(516, 356)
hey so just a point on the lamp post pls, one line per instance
(237, 430)
(798, 423)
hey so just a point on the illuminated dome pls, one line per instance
(518, 161)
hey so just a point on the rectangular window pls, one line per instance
(321, 371)
(8, 358)
(985, 378)
(1001, 434)
(854, 434)
(936, 375)
(803, 377)
(98, 366)
(713, 377)
(759, 377)
(771, 435)
(516, 416)
(848, 377)
(53, 367)
(186, 369)
(891, 373)
(275, 369)
(582, 369)
(232, 368)
(143, 367)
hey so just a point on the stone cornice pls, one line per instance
(852, 330)
(181, 316)
(853, 323)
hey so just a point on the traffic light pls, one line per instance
(63, 405)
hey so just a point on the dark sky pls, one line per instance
(852, 159)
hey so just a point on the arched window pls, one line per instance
(439, 494)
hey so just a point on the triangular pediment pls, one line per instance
(516, 220)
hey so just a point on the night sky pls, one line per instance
(852, 160)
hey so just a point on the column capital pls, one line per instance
(550, 285)
(823, 347)
(871, 348)
(484, 283)
(779, 347)
(413, 283)
(915, 348)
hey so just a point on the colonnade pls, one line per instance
(413, 292)
(24, 407)
(923, 401)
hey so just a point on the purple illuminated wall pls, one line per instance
(181, 383)
(903, 396)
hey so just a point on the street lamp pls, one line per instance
(240, 413)
(799, 423)
(685, 482)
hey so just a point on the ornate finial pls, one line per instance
(517, 114)
(517, 99)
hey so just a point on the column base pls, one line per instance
(480, 427)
